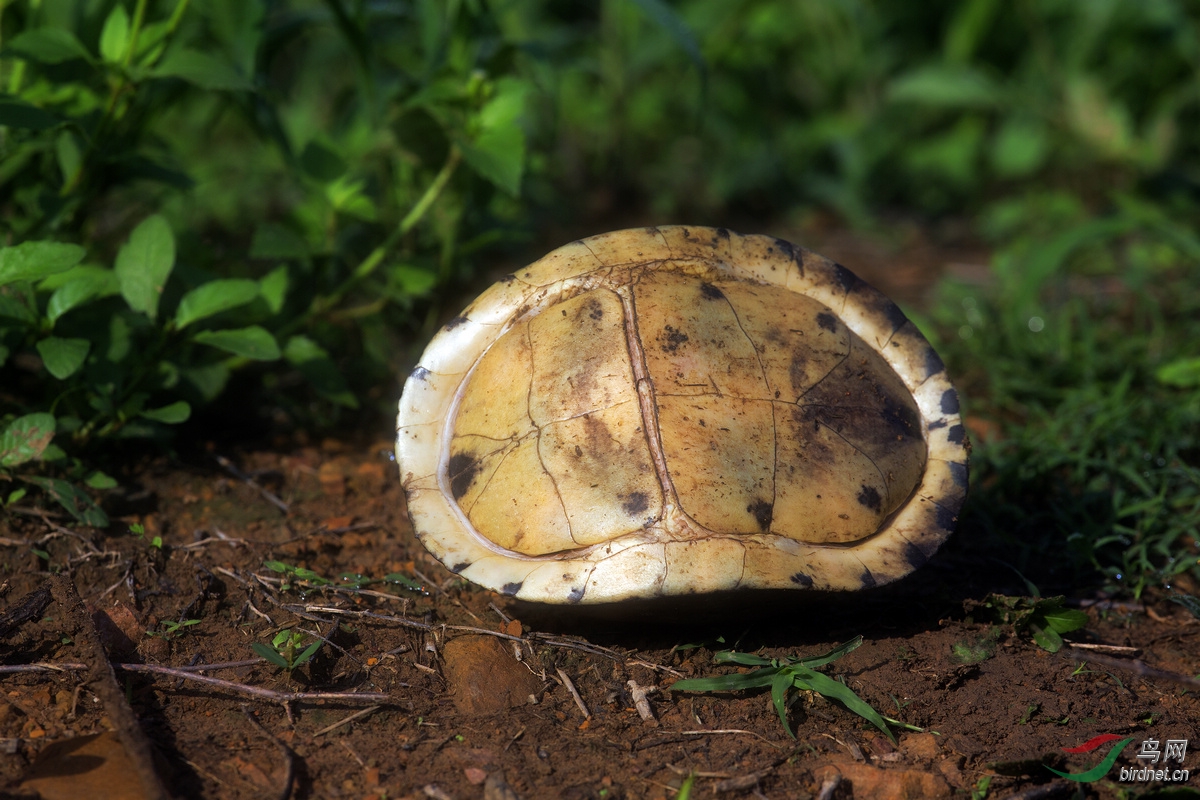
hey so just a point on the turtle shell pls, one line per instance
(677, 410)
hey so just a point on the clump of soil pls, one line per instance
(483, 698)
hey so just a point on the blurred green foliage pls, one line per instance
(291, 190)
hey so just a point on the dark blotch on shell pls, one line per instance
(762, 511)
(460, 566)
(959, 473)
(868, 580)
(454, 323)
(575, 595)
(869, 497)
(956, 435)
(673, 338)
(511, 589)
(462, 470)
(827, 321)
(800, 579)
(946, 518)
(913, 555)
(635, 503)
(419, 373)
(933, 362)
(711, 292)
(723, 233)
(845, 277)
(949, 402)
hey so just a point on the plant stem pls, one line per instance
(369, 264)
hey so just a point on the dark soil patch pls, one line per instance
(989, 703)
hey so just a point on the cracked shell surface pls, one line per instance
(679, 410)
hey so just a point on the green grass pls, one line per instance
(785, 677)
(1080, 369)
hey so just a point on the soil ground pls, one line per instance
(457, 666)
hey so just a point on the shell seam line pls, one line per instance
(645, 393)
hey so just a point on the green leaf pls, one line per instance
(321, 162)
(99, 480)
(273, 288)
(1182, 372)
(16, 114)
(70, 157)
(1019, 148)
(316, 365)
(1046, 638)
(209, 379)
(1186, 600)
(728, 683)
(410, 281)
(203, 70)
(307, 654)
(499, 156)
(25, 438)
(828, 687)
(173, 414)
(214, 297)
(497, 152)
(269, 654)
(144, 264)
(253, 342)
(48, 46)
(746, 659)
(781, 683)
(944, 85)
(833, 655)
(30, 261)
(63, 357)
(114, 38)
(1065, 620)
(73, 499)
(86, 283)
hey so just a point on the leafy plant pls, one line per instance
(285, 649)
(172, 629)
(1045, 619)
(785, 677)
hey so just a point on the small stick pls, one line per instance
(253, 484)
(289, 757)
(639, 699)
(1110, 649)
(347, 720)
(732, 731)
(574, 693)
(1136, 667)
(254, 691)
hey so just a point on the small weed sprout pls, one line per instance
(785, 677)
(170, 629)
(139, 530)
(284, 650)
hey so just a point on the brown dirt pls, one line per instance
(444, 732)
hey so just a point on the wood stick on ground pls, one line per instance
(574, 693)
(640, 701)
(1137, 667)
(104, 685)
